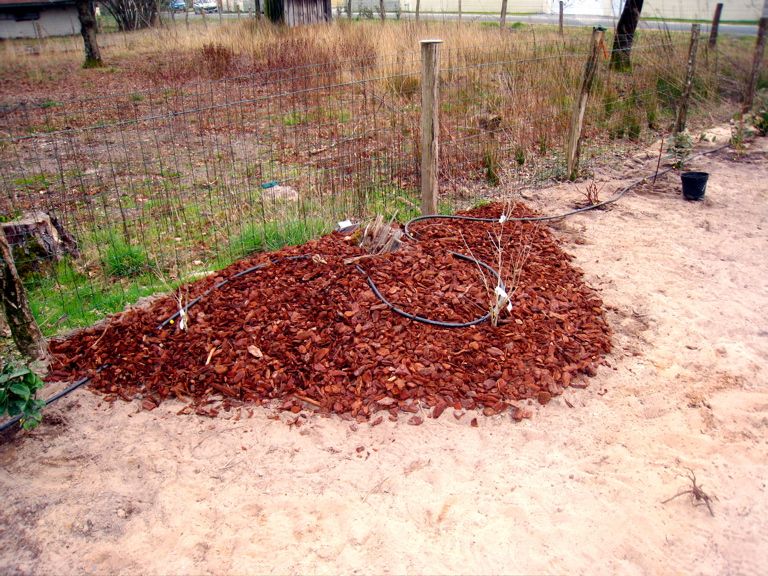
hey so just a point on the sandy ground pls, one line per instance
(110, 489)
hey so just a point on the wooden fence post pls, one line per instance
(560, 21)
(580, 105)
(715, 26)
(503, 17)
(430, 127)
(749, 95)
(682, 111)
(24, 330)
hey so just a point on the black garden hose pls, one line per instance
(439, 323)
(8, 423)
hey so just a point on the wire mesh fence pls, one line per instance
(164, 185)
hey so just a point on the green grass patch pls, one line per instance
(268, 236)
(294, 119)
(123, 260)
(33, 181)
(67, 299)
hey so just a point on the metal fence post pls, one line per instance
(580, 106)
(430, 84)
(749, 95)
(682, 111)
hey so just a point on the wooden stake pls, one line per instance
(715, 26)
(562, 7)
(749, 95)
(580, 106)
(24, 330)
(682, 111)
(503, 18)
(430, 73)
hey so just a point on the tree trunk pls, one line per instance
(87, 17)
(24, 330)
(382, 9)
(715, 26)
(418, 9)
(503, 19)
(156, 19)
(625, 35)
(349, 9)
(757, 60)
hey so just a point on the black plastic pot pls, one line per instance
(694, 184)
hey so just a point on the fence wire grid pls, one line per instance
(162, 186)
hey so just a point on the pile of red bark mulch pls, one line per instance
(310, 333)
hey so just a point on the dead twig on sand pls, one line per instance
(697, 493)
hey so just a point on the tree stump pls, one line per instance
(24, 329)
(37, 238)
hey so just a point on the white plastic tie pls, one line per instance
(502, 218)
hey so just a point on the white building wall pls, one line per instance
(678, 9)
(61, 21)
(703, 9)
(478, 6)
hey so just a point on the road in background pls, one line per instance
(544, 19)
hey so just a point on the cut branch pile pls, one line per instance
(309, 332)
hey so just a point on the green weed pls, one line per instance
(294, 119)
(267, 236)
(122, 260)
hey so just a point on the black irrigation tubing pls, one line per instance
(614, 198)
(439, 323)
(218, 285)
(7, 424)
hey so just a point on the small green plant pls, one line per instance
(137, 97)
(50, 104)
(680, 148)
(760, 122)
(294, 119)
(122, 260)
(520, 155)
(18, 394)
(491, 165)
(740, 134)
(259, 237)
